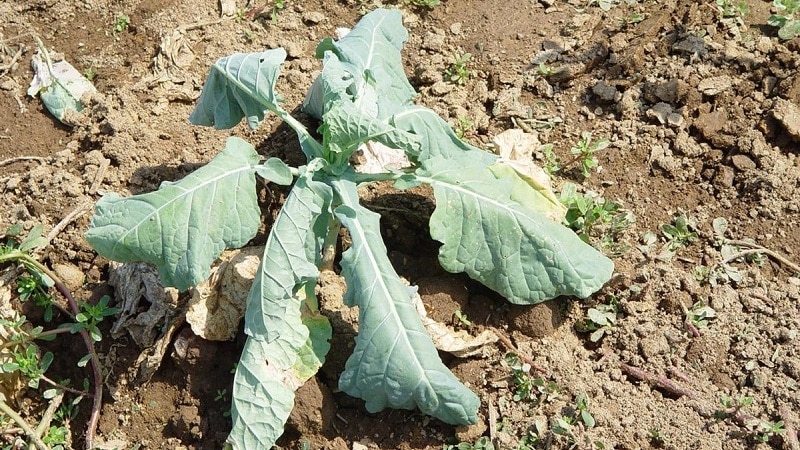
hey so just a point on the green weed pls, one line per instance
(121, 24)
(599, 321)
(458, 72)
(788, 25)
(483, 443)
(19, 352)
(585, 152)
(591, 215)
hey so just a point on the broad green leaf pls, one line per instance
(267, 376)
(510, 248)
(183, 226)
(289, 263)
(529, 192)
(370, 52)
(346, 125)
(242, 85)
(394, 364)
(346, 128)
(275, 171)
(437, 138)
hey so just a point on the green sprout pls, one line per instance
(679, 233)
(463, 126)
(585, 152)
(458, 72)
(121, 24)
(786, 22)
(600, 321)
(423, 3)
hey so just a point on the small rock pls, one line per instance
(433, 42)
(765, 45)
(70, 275)
(715, 85)
(724, 177)
(8, 85)
(692, 45)
(313, 17)
(293, 49)
(606, 92)
(711, 123)
(227, 7)
(660, 111)
(456, 28)
(441, 88)
(675, 120)
(470, 433)
(788, 114)
(742, 162)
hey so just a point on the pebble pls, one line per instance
(313, 17)
(743, 162)
(456, 28)
(788, 114)
(72, 276)
(715, 85)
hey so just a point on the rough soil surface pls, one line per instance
(703, 117)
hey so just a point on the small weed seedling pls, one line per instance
(19, 354)
(657, 437)
(430, 4)
(591, 215)
(461, 319)
(121, 24)
(600, 321)
(526, 387)
(785, 19)
(458, 72)
(544, 70)
(277, 7)
(90, 73)
(483, 443)
(551, 163)
(576, 421)
(699, 315)
(493, 224)
(463, 126)
(585, 152)
(680, 232)
(759, 430)
(732, 9)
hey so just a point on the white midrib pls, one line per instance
(382, 283)
(185, 193)
(368, 62)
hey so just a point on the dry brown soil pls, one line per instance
(703, 116)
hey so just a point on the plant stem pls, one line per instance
(659, 381)
(28, 337)
(755, 248)
(6, 409)
(329, 247)
(64, 388)
(372, 177)
(47, 417)
(97, 374)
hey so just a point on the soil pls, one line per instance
(703, 118)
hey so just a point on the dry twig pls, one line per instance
(753, 248)
(80, 210)
(510, 347)
(659, 381)
(791, 437)
(21, 158)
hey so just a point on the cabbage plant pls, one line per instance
(494, 223)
